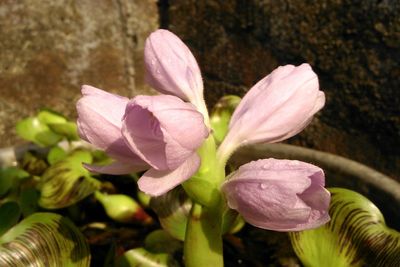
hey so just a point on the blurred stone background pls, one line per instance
(48, 50)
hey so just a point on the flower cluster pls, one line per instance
(162, 134)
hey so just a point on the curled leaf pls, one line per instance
(356, 236)
(67, 182)
(173, 209)
(44, 239)
(159, 241)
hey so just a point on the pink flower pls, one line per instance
(99, 123)
(165, 132)
(279, 195)
(171, 68)
(276, 108)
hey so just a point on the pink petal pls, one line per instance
(170, 66)
(280, 195)
(99, 121)
(277, 107)
(156, 183)
(163, 130)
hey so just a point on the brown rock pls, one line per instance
(49, 49)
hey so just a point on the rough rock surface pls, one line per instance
(48, 50)
(354, 46)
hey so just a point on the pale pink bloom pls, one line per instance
(171, 68)
(279, 195)
(165, 132)
(276, 108)
(99, 123)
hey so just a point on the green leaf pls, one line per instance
(221, 115)
(173, 209)
(48, 116)
(67, 129)
(140, 257)
(159, 241)
(34, 130)
(9, 214)
(33, 164)
(56, 154)
(8, 177)
(356, 236)
(67, 182)
(28, 201)
(44, 239)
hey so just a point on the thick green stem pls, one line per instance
(203, 241)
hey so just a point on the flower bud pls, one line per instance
(99, 123)
(171, 68)
(122, 208)
(276, 108)
(165, 132)
(279, 195)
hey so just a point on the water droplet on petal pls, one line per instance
(263, 186)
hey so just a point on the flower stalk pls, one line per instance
(203, 242)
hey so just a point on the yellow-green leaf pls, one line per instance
(140, 257)
(356, 236)
(44, 240)
(221, 115)
(67, 182)
(34, 130)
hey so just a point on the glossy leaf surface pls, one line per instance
(44, 239)
(356, 236)
(67, 182)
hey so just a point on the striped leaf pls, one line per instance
(356, 236)
(44, 239)
(67, 182)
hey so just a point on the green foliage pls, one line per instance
(47, 128)
(159, 241)
(221, 115)
(140, 257)
(9, 214)
(44, 239)
(356, 236)
(10, 176)
(67, 181)
(28, 201)
(56, 154)
(173, 209)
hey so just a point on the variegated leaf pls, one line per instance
(356, 236)
(44, 240)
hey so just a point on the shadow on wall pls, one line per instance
(354, 46)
